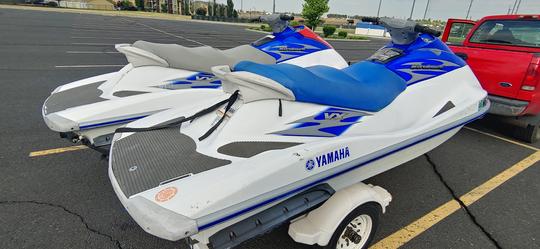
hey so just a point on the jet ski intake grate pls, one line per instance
(144, 160)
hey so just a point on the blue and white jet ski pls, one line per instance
(91, 109)
(292, 144)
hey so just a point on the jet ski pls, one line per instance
(292, 144)
(89, 110)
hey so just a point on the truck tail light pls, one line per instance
(532, 77)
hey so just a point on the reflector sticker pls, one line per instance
(166, 194)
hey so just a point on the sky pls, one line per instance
(438, 9)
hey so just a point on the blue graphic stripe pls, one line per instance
(304, 187)
(120, 121)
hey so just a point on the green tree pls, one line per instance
(140, 4)
(200, 11)
(187, 10)
(313, 10)
(221, 10)
(230, 8)
(328, 30)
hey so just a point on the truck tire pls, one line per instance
(529, 134)
(358, 228)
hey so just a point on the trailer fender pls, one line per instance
(318, 225)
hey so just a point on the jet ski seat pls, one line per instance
(364, 86)
(201, 59)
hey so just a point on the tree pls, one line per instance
(140, 4)
(221, 10)
(214, 8)
(230, 8)
(185, 7)
(328, 30)
(200, 11)
(313, 10)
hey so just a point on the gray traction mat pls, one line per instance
(144, 160)
(82, 95)
(251, 148)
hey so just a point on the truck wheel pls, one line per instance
(357, 230)
(528, 134)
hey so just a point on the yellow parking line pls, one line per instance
(416, 228)
(56, 151)
(502, 138)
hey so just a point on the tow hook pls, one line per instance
(76, 139)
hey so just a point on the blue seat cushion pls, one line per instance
(364, 86)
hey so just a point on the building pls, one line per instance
(366, 28)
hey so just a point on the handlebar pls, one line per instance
(374, 20)
(417, 27)
(256, 19)
(427, 30)
(285, 17)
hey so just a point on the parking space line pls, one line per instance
(93, 44)
(56, 151)
(92, 52)
(427, 221)
(87, 66)
(104, 38)
(171, 34)
(502, 138)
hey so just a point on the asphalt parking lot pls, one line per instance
(63, 199)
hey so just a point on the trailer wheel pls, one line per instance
(530, 133)
(357, 230)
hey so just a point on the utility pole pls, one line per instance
(241, 5)
(379, 9)
(427, 7)
(517, 7)
(469, 10)
(412, 9)
(274, 7)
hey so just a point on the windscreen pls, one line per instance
(525, 33)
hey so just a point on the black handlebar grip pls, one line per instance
(374, 20)
(285, 17)
(255, 19)
(427, 30)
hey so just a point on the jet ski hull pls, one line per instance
(250, 188)
(90, 110)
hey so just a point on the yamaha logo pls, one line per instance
(310, 164)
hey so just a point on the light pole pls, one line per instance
(274, 7)
(517, 7)
(379, 9)
(412, 9)
(469, 10)
(513, 7)
(427, 7)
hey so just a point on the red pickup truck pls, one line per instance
(504, 53)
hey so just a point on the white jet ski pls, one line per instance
(292, 144)
(89, 110)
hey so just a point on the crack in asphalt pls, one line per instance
(471, 216)
(81, 218)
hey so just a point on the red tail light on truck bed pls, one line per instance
(532, 77)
